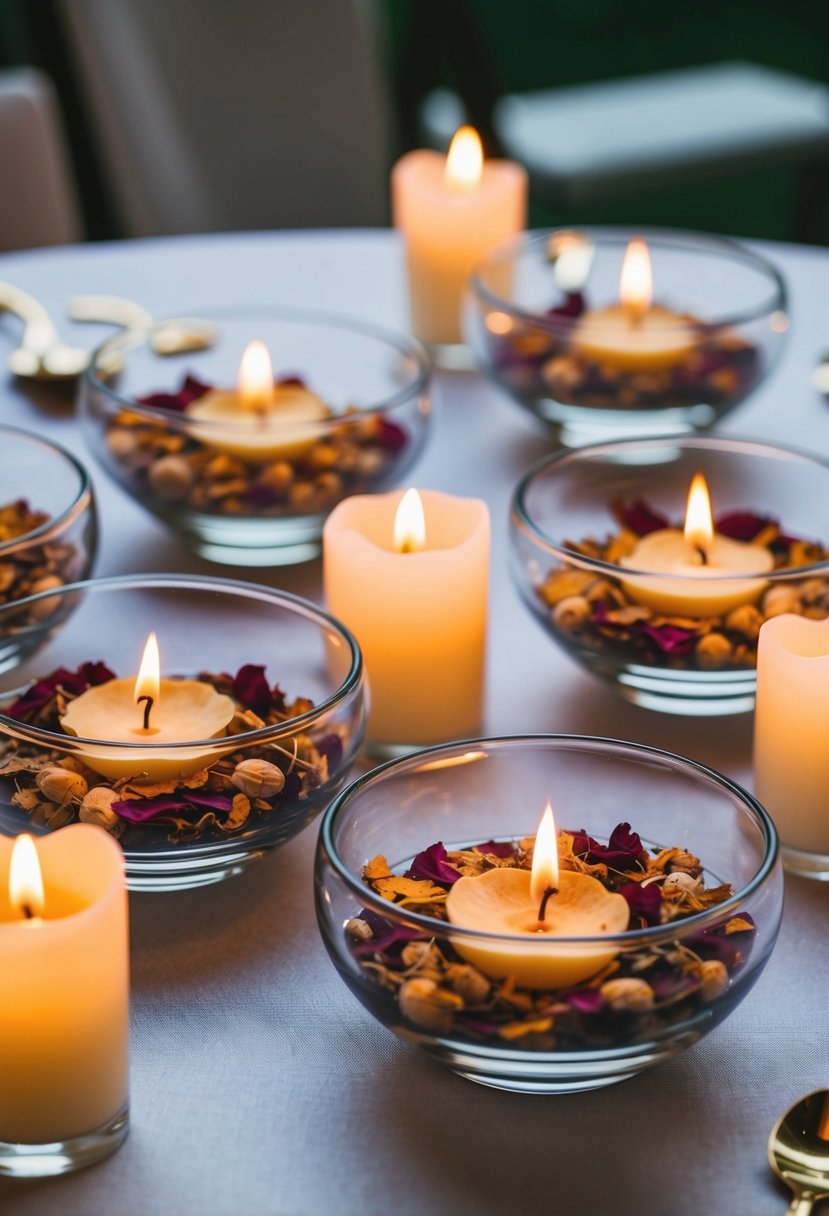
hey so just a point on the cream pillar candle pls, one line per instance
(64, 981)
(419, 616)
(452, 212)
(791, 732)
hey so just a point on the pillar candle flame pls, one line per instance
(410, 524)
(544, 876)
(255, 382)
(25, 879)
(464, 161)
(636, 283)
(699, 526)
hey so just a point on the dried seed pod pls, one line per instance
(713, 650)
(171, 478)
(258, 778)
(359, 929)
(714, 979)
(782, 598)
(746, 620)
(43, 610)
(422, 955)
(630, 995)
(277, 476)
(813, 590)
(58, 817)
(683, 882)
(472, 987)
(571, 612)
(60, 785)
(96, 807)
(121, 442)
(428, 1006)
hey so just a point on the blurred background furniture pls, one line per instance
(587, 142)
(38, 202)
(251, 115)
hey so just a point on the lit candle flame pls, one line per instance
(25, 879)
(255, 383)
(699, 526)
(544, 875)
(409, 524)
(636, 283)
(464, 161)
(148, 679)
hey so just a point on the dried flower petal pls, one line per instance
(645, 903)
(169, 808)
(671, 638)
(74, 682)
(622, 851)
(390, 436)
(639, 516)
(586, 1000)
(432, 866)
(743, 525)
(251, 689)
(497, 848)
(190, 391)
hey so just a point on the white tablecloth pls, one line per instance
(260, 1087)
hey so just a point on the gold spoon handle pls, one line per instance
(802, 1204)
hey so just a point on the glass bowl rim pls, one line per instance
(56, 523)
(651, 934)
(522, 521)
(126, 339)
(725, 246)
(199, 582)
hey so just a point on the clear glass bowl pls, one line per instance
(567, 546)
(233, 505)
(190, 829)
(48, 534)
(720, 336)
(495, 789)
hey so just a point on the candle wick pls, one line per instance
(28, 912)
(542, 911)
(147, 709)
(703, 556)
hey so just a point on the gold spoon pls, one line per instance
(799, 1151)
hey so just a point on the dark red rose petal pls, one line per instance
(621, 852)
(639, 516)
(250, 688)
(191, 389)
(498, 848)
(331, 746)
(41, 693)
(432, 865)
(644, 903)
(167, 808)
(573, 306)
(671, 638)
(586, 1000)
(390, 436)
(742, 525)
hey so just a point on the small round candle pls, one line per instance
(701, 561)
(174, 711)
(635, 335)
(259, 420)
(544, 903)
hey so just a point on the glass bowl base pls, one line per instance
(574, 426)
(153, 872)
(698, 694)
(526, 1072)
(805, 865)
(64, 1156)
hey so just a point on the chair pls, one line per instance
(38, 203)
(587, 142)
(233, 116)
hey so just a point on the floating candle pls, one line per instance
(452, 211)
(791, 759)
(635, 335)
(701, 560)
(546, 904)
(414, 591)
(63, 986)
(259, 420)
(174, 712)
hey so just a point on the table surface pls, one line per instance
(259, 1085)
